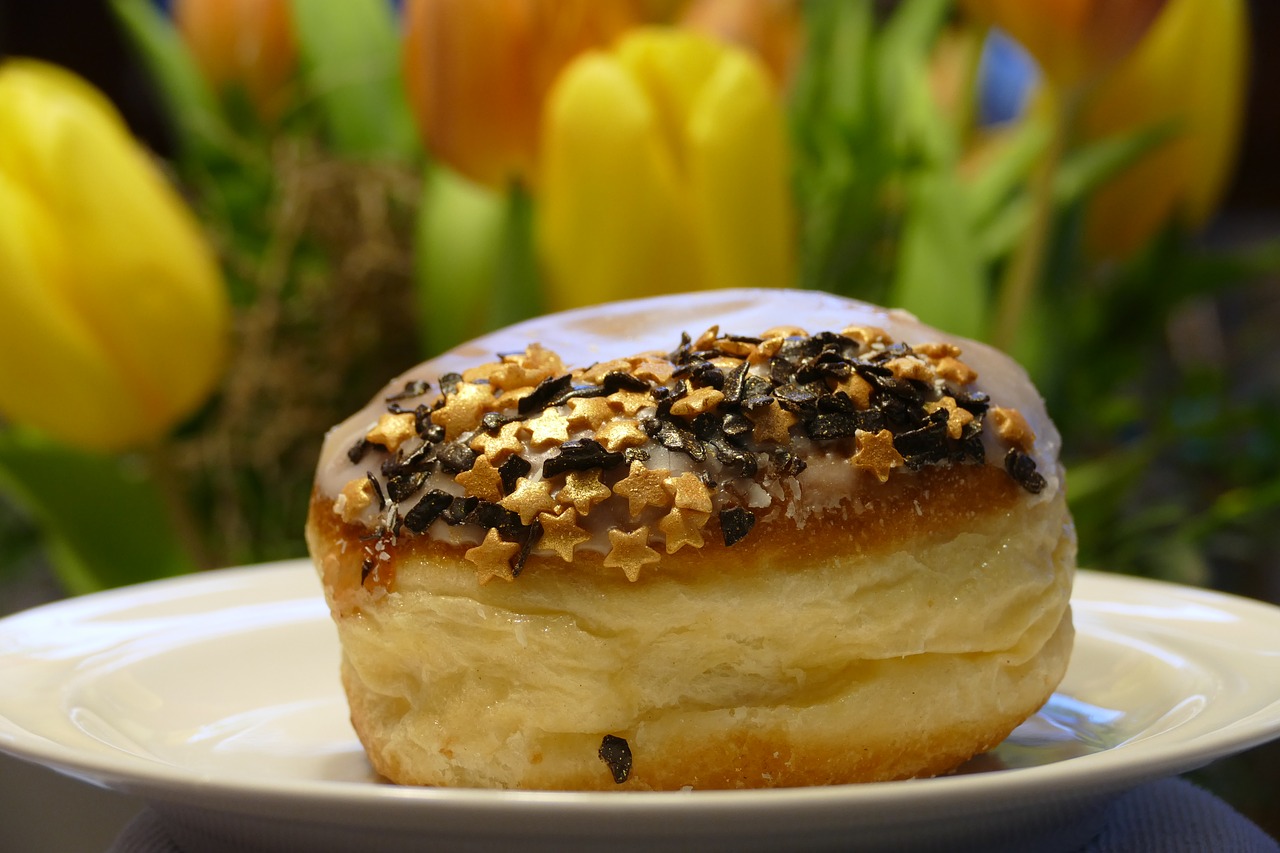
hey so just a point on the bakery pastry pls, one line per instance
(719, 540)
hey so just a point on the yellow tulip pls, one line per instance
(1075, 41)
(244, 45)
(477, 73)
(1189, 72)
(113, 315)
(664, 170)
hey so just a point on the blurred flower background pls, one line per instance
(275, 206)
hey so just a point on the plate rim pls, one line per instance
(1111, 769)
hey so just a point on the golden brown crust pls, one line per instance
(935, 504)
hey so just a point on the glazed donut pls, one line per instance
(719, 540)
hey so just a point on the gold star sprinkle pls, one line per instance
(688, 492)
(596, 373)
(696, 402)
(772, 423)
(462, 409)
(630, 401)
(957, 418)
(907, 367)
(501, 444)
(492, 558)
(858, 389)
(643, 487)
(621, 433)
(767, 349)
(937, 350)
(583, 490)
(511, 399)
(876, 453)
(784, 332)
(741, 349)
(529, 498)
(392, 430)
(867, 335)
(589, 412)
(706, 339)
(630, 551)
(654, 370)
(481, 372)
(955, 370)
(550, 427)
(354, 498)
(683, 527)
(482, 481)
(1012, 428)
(561, 533)
(536, 364)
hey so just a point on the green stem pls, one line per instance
(1026, 266)
(517, 293)
(186, 527)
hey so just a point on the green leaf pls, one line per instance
(104, 522)
(351, 61)
(940, 275)
(517, 289)
(202, 131)
(1008, 170)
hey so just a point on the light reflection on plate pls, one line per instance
(215, 697)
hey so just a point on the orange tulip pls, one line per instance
(477, 72)
(244, 45)
(1188, 73)
(1075, 41)
(771, 29)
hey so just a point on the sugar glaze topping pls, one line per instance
(666, 449)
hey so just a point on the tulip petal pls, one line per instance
(612, 222)
(1189, 71)
(737, 166)
(137, 277)
(53, 372)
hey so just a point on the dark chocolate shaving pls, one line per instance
(357, 451)
(430, 432)
(617, 380)
(735, 523)
(925, 445)
(581, 454)
(415, 388)
(1022, 468)
(735, 384)
(528, 538)
(456, 457)
(366, 569)
(404, 486)
(512, 470)
(380, 499)
(449, 383)
(490, 515)
(460, 510)
(547, 390)
(494, 421)
(427, 510)
(616, 753)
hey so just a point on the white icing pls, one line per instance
(601, 333)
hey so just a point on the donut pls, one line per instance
(733, 539)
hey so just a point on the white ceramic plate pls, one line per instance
(215, 697)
